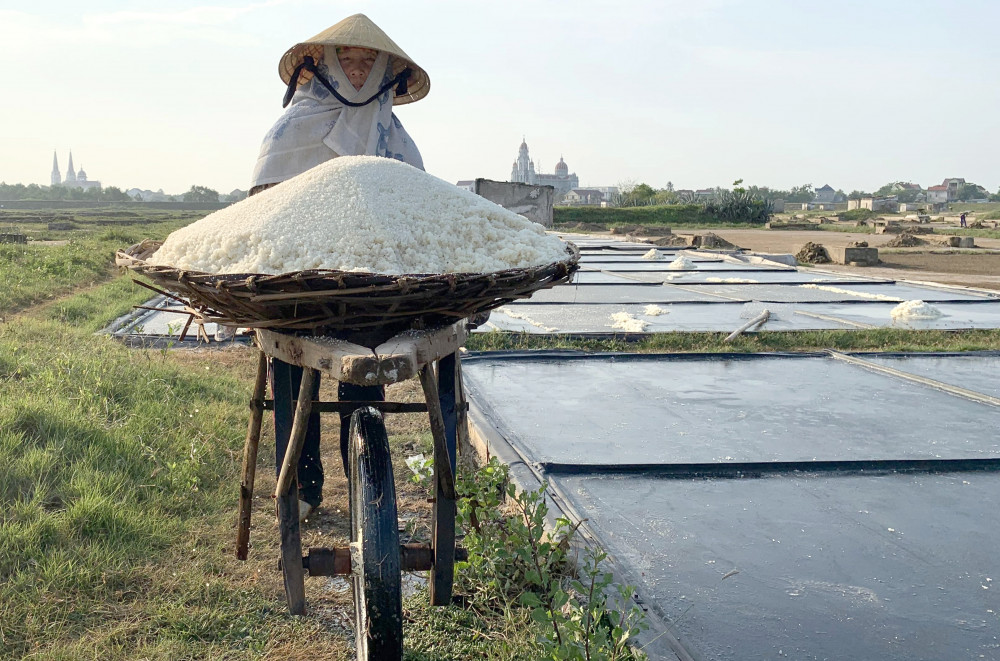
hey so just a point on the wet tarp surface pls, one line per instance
(980, 372)
(744, 276)
(691, 313)
(896, 292)
(625, 293)
(840, 563)
(651, 410)
(888, 567)
(597, 318)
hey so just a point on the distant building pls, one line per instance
(937, 194)
(885, 204)
(824, 195)
(148, 195)
(74, 178)
(467, 184)
(584, 196)
(952, 186)
(524, 172)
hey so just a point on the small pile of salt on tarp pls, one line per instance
(915, 310)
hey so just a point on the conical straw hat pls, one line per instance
(359, 31)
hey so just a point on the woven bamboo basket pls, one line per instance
(328, 301)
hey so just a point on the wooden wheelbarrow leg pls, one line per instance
(250, 458)
(287, 495)
(441, 409)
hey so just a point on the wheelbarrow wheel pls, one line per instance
(375, 573)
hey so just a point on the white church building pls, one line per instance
(524, 172)
(74, 178)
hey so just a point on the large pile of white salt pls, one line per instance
(915, 310)
(361, 213)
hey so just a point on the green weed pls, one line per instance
(514, 561)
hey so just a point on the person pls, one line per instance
(342, 85)
(961, 220)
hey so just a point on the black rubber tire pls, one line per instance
(375, 573)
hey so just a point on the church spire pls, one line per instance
(56, 177)
(70, 172)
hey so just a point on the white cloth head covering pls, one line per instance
(317, 127)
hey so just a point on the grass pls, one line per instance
(879, 339)
(458, 633)
(114, 468)
(118, 470)
(31, 274)
(653, 215)
(674, 215)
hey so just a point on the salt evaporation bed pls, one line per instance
(361, 213)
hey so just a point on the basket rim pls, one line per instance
(129, 259)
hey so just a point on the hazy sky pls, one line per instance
(697, 92)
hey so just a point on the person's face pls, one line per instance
(357, 63)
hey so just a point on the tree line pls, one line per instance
(34, 192)
(633, 194)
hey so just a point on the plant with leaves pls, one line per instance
(739, 206)
(586, 627)
(514, 561)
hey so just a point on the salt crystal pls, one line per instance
(915, 310)
(682, 263)
(654, 310)
(366, 214)
(628, 322)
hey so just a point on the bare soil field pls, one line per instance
(930, 263)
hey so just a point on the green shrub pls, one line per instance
(514, 562)
(739, 206)
(672, 214)
(858, 214)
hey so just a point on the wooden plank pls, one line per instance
(303, 407)
(250, 458)
(442, 464)
(327, 355)
(425, 346)
(398, 359)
